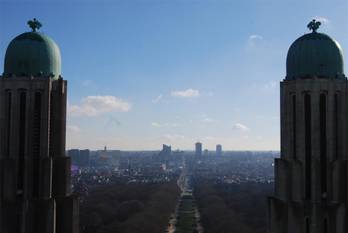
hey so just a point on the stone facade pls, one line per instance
(35, 189)
(311, 175)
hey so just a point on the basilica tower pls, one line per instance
(311, 174)
(35, 189)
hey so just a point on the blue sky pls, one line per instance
(146, 72)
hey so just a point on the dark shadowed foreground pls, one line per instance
(232, 208)
(129, 208)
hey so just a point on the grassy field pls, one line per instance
(186, 220)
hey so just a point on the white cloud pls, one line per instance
(186, 93)
(159, 125)
(270, 85)
(210, 138)
(240, 127)
(207, 119)
(96, 105)
(210, 93)
(255, 37)
(263, 117)
(253, 40)
(87, 83)
(174, 137)
(156, 124)
(73, 129)
(157, 99)
(112, 121)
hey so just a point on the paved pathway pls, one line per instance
(186, 218)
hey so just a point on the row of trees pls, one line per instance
(233, 208)
(129, 208)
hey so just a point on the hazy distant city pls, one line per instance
(94, 172)
(107, 166)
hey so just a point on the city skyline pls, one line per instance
(143, 74)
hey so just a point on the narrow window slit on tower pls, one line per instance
(21, 146)
(326, 226)
(36, 143)
(294, 125)
(51, 124)
(308, 227)
(323, 144)
(37, 124)
(8, 125)
(336, 125)
(308, 145)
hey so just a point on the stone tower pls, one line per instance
(35, 189)
(311, 174)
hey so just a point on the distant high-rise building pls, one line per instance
(166, 150)
(74, 154)
(311, 174)
(206, 152)
(84, 158)
(218, 150)
(198, 149)
(79, 158)
(35, 188)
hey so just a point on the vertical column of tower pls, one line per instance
(66, 204)
(2, 145)
(298, 144)
(320, 205)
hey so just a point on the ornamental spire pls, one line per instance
(34, 24)
(314, 25)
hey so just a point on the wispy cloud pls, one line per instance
(159, 125)
(73, 129)
(270, 85)
(253, 40)
(87, 83)
(209, 138)
(157, 99)
(156, 124)
(255, 37)
(174, 137)
(321, 19)
(206, 119)
(112, 121)
(95, 105)
(263, 117)
(188, 93)
(240, 127)
(210, 93)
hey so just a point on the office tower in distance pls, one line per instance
(311, 174)
(35, 188)
(166, 150)
(198, 149)
(84, 157)
(74, 155)
(79, 158)
(218, 150)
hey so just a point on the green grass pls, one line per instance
(186, 221)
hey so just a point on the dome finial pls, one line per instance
(313, 25)
(34, 24)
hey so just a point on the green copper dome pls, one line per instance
(32, 54)
(314, 54)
